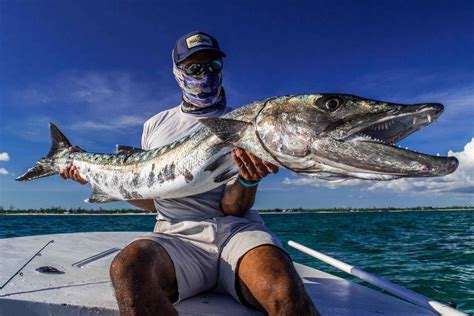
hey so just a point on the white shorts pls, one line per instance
(205, 254)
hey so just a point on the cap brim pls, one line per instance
(198, 49)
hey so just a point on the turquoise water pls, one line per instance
(429, 252)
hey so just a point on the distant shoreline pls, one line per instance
(261, 212)
(371, 211)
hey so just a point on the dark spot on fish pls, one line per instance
(188, 176)
(226, 175)
(135, 195)
(151, 177)
(167, 173)
(215, 164)
(125, 194)
(171, 171)
(135, 179)
(159, 177)
(125, 158)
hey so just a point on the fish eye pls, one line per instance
(332, 104)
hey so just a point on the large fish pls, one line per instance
(329, 136)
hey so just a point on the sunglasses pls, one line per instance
(197, 69)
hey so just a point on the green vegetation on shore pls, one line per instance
(365, 209)
(61, 211)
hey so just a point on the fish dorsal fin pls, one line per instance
(99, 196)
(228, 130)
(124, 149)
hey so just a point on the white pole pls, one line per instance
(386, 285)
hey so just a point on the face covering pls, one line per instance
(203, 94)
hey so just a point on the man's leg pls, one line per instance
(266, 279)
(144, 280)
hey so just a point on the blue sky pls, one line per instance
(99, 69)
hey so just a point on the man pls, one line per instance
(210, 240)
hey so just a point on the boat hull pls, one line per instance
(85, 288)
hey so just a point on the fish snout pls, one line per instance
(438, 109)
(452, 164)
(441, 167)
(434, 109)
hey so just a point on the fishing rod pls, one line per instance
(37, 254)
(395, 289)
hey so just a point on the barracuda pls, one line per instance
(329, 136)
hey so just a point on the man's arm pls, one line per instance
(239, 198)
(147, 205)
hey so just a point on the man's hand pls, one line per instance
(237, 198)
(71, 172)
(252, 168)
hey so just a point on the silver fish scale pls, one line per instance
(154, 173)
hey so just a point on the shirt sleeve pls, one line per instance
(145, 136)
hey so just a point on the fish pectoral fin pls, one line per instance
(99, 196)
(228, 130)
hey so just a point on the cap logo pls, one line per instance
(198, 40)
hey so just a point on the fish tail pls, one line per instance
(45, 166)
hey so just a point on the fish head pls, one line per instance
(340, 136)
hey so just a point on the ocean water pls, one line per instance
(429, 252)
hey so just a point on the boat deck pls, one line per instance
(87, 290)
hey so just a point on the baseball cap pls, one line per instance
(194, 42)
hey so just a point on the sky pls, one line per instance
(99, 69)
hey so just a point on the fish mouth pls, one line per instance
(394, 125)
(374, 137)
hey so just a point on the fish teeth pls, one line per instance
(414, 120)
(429, 118)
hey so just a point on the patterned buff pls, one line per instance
(200, 95)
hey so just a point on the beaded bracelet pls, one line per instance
(248, 183)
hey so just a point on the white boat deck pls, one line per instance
(88, 290)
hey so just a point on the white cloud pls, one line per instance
(4, 156)
(119, 123)
(3, 171)
(461, 181)
(95, 91)
(91, 101)
(319, 183)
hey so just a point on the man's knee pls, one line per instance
(286, 296)
(144, 280)
(275, 283)
(135, 258)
